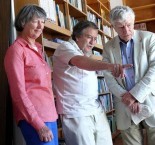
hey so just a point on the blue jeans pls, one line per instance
(31, 136)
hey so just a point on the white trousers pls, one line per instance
(88, 130)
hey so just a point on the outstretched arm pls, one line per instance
(94, 65)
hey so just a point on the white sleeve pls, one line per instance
(66, 51)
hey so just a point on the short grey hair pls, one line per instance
(120, 13)
(26, 14)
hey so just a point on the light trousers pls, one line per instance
(134, 135)
(88, 130)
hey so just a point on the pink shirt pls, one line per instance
(29, 78)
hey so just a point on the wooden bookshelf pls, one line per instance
(106, 100)
(49, 44)
(138, 3)
(144, 11)
(106, 3)
(55, 29)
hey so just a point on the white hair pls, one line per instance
(121, 13)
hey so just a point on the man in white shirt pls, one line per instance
(76, 88)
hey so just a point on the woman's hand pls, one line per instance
(45, 134)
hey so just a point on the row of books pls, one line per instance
(102, 86)
(53, 12)
(112, 122)
(77, 3)
(93, 18)
(107, 30)
(73, 22)
(140, 26)
(99, 40)
(57, 16)
(105, 101)
(61, 17)
(49, 7)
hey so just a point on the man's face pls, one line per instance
(125, 29)
(87, 40)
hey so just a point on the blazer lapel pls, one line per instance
(118, 58)
(117, 51)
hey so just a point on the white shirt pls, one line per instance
(76, 89)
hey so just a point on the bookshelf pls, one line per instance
(65, 14)
(106, 99)
(71, 13)
(144, 11)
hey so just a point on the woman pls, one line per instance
(30, 80)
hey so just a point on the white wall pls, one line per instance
(114, 3)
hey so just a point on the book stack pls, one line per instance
(61, 17)
(49, 7)
(77, 4)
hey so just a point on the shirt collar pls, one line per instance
(23, 43)
(75, 45)
(122, 42)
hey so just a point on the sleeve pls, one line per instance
(146, 71)
(14, 66)
(66, 51)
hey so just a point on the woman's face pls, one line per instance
(34, 28)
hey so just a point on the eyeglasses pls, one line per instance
(90, 37)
